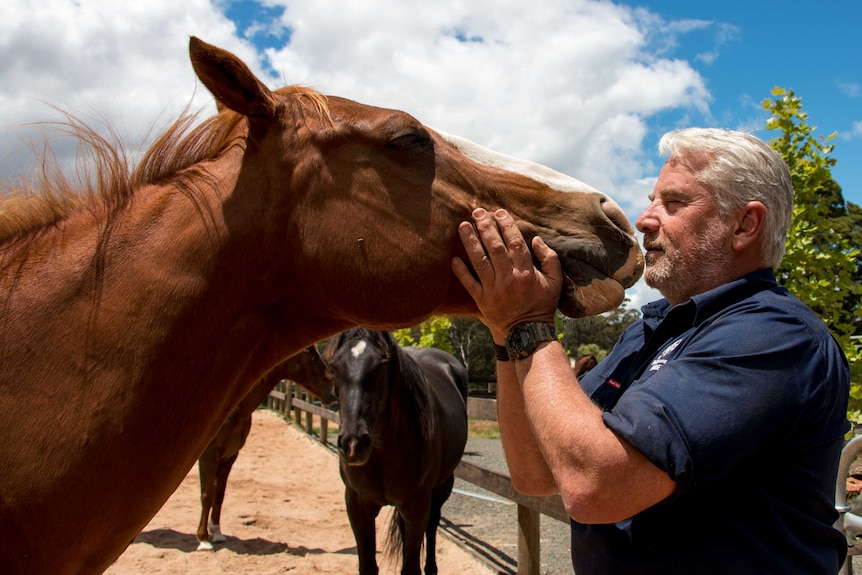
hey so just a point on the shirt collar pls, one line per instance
(704, 305)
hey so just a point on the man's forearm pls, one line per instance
(527, 467)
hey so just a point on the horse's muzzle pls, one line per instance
(354, 449)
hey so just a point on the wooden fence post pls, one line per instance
(297, 413)
(324, 428)
(529, 552)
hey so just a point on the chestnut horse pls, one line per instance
(305, 368)
(402, 432)
(135, 315)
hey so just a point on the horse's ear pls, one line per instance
(230, 81)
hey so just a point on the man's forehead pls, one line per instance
(693, 161)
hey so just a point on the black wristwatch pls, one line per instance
(525, 337)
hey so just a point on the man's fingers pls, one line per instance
(548, 260)
(473, 246)
(516, 248)
(462, 272)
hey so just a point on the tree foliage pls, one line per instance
(821, 263)
(596, 334)
(433, 332)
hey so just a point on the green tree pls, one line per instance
(850, 227)
(600, 331)
(433, 332)
(820, 263)
(472, 341)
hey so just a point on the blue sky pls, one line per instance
(815, 49)
(584, 86)
(742, 49)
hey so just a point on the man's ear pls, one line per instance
(749, 225)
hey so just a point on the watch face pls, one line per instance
(524, 338)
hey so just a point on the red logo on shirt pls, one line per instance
(613, 383)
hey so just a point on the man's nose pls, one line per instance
(647, 221)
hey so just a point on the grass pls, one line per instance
(483, 429)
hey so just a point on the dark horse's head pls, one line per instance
(365, 365)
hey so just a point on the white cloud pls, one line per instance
(855, 132)
(569, 84)
(851, 89)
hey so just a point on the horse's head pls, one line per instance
(362, 363)
(308, 370)
(368, 200)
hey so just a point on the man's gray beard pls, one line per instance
(659, 275)
(679, 277)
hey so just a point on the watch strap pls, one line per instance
(501, 353)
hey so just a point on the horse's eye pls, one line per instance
(414, 141)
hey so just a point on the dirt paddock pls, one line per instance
(283, 513)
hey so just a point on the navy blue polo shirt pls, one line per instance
(740, 395)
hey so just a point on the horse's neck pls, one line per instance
(136, 309)
(408, 400)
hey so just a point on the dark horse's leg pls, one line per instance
(207, 464)
(415, 515)
(223, 471)
(362, 515)
(439, 495)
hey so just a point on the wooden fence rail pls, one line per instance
(288, 396)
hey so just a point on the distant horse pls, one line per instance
(403, 427)
(584, 364)
(305, 368)
(137, 313)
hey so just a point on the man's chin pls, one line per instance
(655, 278)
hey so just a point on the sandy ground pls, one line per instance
(283, 513)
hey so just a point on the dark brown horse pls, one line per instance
(584, 364)
(305, 368)
(136, 314)
(402, 431)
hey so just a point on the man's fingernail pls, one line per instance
(479, 213)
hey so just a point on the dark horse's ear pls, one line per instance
(230, 81)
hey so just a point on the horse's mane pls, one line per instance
(414, 396)
(104, 177)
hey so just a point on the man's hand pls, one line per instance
(509, 288)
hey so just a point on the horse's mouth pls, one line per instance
(592, 284)
(591, 292)
(354, 460)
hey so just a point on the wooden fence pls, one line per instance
(287, 397)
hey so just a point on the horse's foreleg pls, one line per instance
(207, 472)
(415, 519)
(439, 495)
(362, 515)
(222, 473)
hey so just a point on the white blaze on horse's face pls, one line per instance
(358, 349)
(537, 172)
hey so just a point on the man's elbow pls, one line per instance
(534, 485)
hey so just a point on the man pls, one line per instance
(708, 440)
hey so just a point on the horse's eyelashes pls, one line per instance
(411, 141)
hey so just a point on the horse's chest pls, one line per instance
(388, 479)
